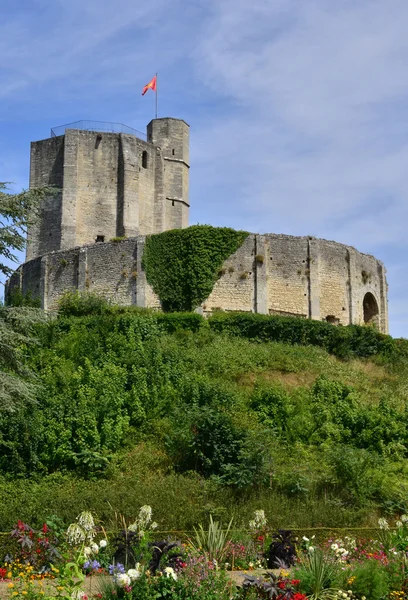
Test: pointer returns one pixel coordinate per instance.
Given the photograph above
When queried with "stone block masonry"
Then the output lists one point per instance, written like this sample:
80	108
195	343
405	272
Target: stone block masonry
110	185
269	274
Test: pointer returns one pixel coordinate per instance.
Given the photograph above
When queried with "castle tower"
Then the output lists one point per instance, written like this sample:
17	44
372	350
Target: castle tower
109	184
172	137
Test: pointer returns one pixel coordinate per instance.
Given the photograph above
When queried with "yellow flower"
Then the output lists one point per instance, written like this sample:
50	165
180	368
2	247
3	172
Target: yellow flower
60	588
24	593
9	575
14	594
10	585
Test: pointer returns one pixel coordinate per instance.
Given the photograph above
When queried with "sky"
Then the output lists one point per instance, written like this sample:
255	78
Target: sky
298	108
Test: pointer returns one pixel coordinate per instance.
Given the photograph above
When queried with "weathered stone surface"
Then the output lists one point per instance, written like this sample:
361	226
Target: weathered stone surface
270	274
110	185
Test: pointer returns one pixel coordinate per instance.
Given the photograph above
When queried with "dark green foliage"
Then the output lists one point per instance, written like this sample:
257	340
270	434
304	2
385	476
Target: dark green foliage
79	304
344	342
17	334
182	265
206	440
16	298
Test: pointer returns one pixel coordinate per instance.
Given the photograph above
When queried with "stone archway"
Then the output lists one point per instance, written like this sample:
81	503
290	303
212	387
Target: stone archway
370	310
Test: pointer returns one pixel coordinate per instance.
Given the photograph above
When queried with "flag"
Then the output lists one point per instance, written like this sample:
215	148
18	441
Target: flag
150	86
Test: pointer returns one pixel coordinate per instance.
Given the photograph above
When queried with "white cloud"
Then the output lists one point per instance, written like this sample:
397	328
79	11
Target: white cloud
319	90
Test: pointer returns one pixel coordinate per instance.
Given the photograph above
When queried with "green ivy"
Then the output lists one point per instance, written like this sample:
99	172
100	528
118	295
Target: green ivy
182	265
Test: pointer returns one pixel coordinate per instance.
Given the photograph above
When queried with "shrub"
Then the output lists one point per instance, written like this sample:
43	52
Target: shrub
82	303
344	342
16	298
371	580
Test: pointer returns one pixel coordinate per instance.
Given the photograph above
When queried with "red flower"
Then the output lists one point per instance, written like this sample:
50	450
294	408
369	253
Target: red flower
3	573
260	538
295	581
45	528
281	585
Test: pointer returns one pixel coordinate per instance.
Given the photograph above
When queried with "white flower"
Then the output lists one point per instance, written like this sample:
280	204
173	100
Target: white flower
133	527
85	520
404	518
311	548
133	574
154	525
78	594
87	551
399	524
170	573
75	534
145	514
103	544
383	523
306	539
94	548
334	547
122	579
259	521
251	564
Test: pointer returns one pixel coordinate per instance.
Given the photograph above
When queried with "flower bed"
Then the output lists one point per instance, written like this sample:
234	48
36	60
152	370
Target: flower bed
133	563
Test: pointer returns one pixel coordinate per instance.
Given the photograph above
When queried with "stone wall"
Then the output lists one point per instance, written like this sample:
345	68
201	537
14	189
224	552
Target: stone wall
269	274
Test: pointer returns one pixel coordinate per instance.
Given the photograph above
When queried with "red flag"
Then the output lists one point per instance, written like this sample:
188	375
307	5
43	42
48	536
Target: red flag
150	86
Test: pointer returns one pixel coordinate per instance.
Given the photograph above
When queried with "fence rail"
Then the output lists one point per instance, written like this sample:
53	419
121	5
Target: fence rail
102	126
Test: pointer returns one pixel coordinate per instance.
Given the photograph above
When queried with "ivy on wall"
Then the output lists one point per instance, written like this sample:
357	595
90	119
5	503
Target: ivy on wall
182	265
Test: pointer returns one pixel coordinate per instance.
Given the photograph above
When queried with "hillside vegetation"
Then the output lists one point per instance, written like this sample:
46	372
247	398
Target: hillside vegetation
303	419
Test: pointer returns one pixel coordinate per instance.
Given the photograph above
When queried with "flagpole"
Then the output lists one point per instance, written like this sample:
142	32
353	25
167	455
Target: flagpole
157	94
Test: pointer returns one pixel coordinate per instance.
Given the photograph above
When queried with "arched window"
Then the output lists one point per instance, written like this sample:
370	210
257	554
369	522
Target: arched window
144	159
370	310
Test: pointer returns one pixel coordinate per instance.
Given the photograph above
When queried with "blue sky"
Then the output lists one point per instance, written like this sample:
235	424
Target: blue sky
298	108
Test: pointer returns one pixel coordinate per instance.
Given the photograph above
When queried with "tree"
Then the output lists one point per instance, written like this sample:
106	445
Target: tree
17	211
17	325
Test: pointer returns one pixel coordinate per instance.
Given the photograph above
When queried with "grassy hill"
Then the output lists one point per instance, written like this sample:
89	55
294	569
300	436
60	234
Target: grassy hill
303	419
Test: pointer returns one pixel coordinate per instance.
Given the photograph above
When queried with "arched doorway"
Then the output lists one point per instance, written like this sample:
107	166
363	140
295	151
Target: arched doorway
370	310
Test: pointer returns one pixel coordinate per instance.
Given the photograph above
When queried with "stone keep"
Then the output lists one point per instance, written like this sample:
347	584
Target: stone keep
110	185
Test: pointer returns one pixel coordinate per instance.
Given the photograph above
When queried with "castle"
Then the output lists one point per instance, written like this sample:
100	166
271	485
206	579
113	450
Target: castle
114	188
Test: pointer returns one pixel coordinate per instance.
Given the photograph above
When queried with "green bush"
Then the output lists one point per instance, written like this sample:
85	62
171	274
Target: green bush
344	342
79	304
16	298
